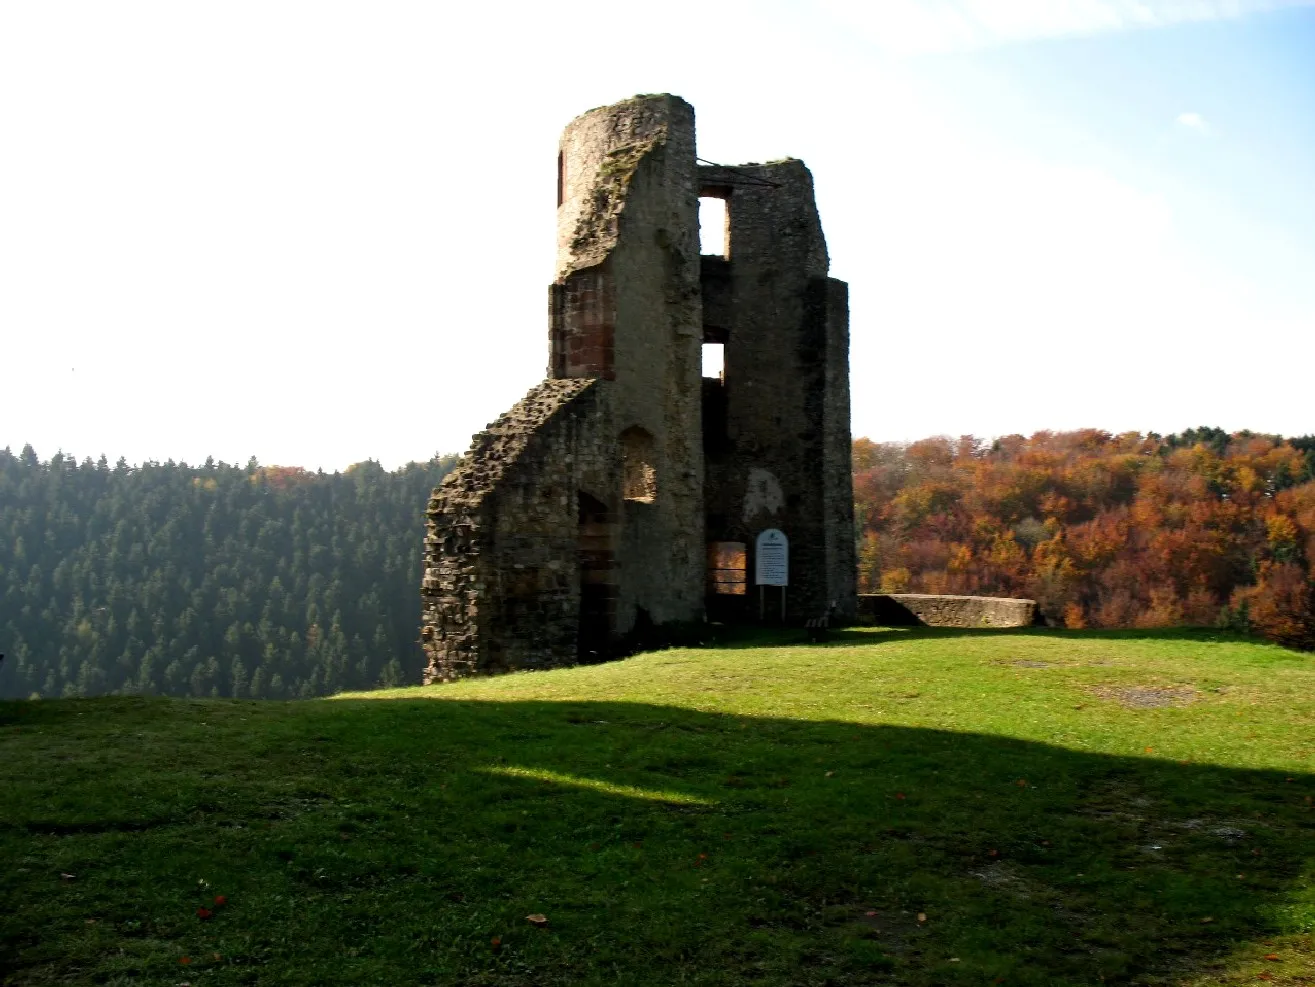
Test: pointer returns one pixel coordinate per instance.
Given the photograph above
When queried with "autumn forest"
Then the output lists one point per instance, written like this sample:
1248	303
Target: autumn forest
1202	528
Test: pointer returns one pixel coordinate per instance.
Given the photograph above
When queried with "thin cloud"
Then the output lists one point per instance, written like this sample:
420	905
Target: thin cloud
931	26
1194	121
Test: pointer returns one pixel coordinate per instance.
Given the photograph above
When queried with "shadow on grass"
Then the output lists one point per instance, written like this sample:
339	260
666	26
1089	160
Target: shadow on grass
394	841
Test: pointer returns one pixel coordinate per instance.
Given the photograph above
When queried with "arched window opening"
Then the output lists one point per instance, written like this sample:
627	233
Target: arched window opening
638	474
714	227
727	568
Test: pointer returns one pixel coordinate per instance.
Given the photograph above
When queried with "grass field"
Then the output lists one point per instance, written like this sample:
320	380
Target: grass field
897	807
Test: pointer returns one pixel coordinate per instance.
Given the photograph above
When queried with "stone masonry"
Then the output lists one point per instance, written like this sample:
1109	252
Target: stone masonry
626	490
897	609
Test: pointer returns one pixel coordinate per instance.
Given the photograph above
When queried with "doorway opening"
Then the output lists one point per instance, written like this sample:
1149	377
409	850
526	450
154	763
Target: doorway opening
598	589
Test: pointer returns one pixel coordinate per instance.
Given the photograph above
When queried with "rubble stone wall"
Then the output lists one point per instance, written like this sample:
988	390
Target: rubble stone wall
502	585
589	507
629	218
785	387
945	611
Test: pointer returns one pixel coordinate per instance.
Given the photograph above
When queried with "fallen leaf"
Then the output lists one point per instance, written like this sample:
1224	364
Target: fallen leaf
204	913
537	919
922	916
220	901
1207	920
1149	749
1272	957
993	853
830	774
184	960
217	957
899	795
1021	783
496	942
870	914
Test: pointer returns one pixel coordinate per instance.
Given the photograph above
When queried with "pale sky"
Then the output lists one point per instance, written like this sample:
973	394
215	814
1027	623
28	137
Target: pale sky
322	232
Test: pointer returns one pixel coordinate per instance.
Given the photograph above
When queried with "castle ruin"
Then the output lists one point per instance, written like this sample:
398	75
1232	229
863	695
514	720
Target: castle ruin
627	490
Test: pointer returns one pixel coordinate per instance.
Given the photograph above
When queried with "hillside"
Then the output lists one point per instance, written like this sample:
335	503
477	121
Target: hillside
260	582
902	806
271	582
1202	528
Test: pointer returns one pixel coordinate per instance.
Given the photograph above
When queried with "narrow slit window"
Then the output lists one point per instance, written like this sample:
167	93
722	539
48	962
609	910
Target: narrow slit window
714	360
561	177
727	568
714	227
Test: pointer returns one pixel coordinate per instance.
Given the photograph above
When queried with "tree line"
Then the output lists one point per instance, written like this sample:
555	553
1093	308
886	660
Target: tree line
1131	530
212	580
275	582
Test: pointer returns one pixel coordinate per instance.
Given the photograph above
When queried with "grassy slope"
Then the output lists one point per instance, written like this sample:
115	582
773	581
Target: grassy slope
775	814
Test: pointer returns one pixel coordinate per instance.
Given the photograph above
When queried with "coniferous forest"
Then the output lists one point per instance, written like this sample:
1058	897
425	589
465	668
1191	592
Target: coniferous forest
213	580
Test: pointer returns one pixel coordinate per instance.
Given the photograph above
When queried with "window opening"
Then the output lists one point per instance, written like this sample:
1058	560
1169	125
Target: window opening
727	568
638	475
714	227
714	360
561	178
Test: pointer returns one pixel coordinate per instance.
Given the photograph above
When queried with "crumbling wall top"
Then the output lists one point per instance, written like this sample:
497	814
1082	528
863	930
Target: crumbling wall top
598	155
496	449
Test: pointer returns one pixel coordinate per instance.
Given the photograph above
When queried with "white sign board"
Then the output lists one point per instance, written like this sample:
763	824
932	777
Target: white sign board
772	558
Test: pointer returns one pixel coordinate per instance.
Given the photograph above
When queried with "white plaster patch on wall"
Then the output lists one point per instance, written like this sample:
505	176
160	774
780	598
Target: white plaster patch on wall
762	494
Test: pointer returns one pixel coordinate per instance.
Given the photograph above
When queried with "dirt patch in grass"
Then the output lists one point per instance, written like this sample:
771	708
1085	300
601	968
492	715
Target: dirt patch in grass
1146	696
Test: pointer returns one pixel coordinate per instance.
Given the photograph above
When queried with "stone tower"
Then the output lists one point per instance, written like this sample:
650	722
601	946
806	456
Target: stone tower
627	488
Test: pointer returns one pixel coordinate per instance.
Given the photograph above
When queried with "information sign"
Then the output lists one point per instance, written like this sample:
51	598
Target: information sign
772	558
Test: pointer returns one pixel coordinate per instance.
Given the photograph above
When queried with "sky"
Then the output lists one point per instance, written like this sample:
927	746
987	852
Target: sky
319	233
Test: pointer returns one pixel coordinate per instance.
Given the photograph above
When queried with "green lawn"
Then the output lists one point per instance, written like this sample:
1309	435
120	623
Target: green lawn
897	807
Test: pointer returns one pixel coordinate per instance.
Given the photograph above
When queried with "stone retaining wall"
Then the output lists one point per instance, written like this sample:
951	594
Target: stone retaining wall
902	609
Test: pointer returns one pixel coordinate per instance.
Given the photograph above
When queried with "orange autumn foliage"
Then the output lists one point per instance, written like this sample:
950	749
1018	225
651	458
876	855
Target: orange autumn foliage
1102	530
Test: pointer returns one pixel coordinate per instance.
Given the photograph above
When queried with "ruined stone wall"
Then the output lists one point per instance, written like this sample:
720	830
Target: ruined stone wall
782	458
628	252
585	509
502	585
898	609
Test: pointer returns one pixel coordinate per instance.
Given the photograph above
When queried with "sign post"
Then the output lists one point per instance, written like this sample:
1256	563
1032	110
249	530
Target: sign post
771	565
